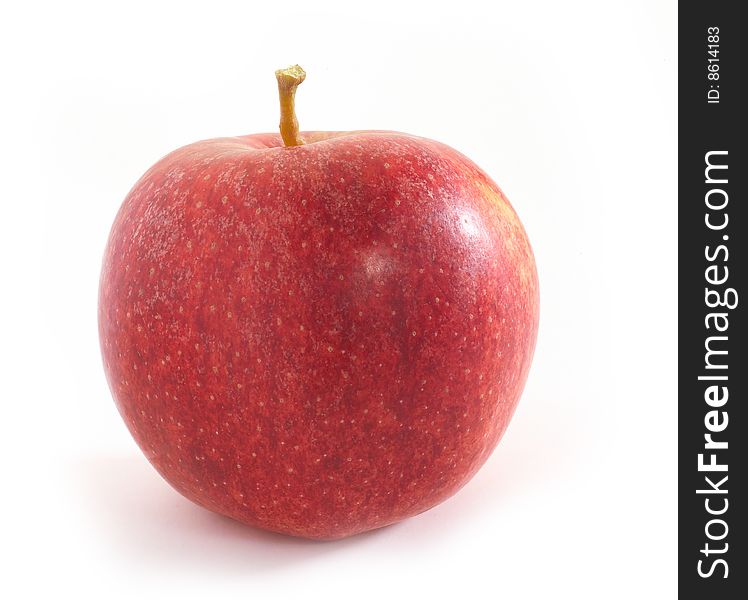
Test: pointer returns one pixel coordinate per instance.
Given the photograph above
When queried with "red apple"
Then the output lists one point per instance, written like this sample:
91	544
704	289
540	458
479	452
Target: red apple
322	337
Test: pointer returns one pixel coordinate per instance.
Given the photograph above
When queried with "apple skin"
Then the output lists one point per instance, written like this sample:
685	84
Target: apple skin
317	340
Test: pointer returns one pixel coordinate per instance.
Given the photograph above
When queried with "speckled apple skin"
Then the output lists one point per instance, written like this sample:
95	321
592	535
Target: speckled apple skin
317	340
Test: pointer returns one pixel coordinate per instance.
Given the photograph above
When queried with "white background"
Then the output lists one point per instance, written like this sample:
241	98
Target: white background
570	106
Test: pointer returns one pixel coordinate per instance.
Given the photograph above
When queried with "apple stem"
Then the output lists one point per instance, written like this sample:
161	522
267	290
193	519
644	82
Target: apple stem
288	80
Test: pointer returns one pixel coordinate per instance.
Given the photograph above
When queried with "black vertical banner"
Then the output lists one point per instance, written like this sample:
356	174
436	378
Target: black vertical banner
712	265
